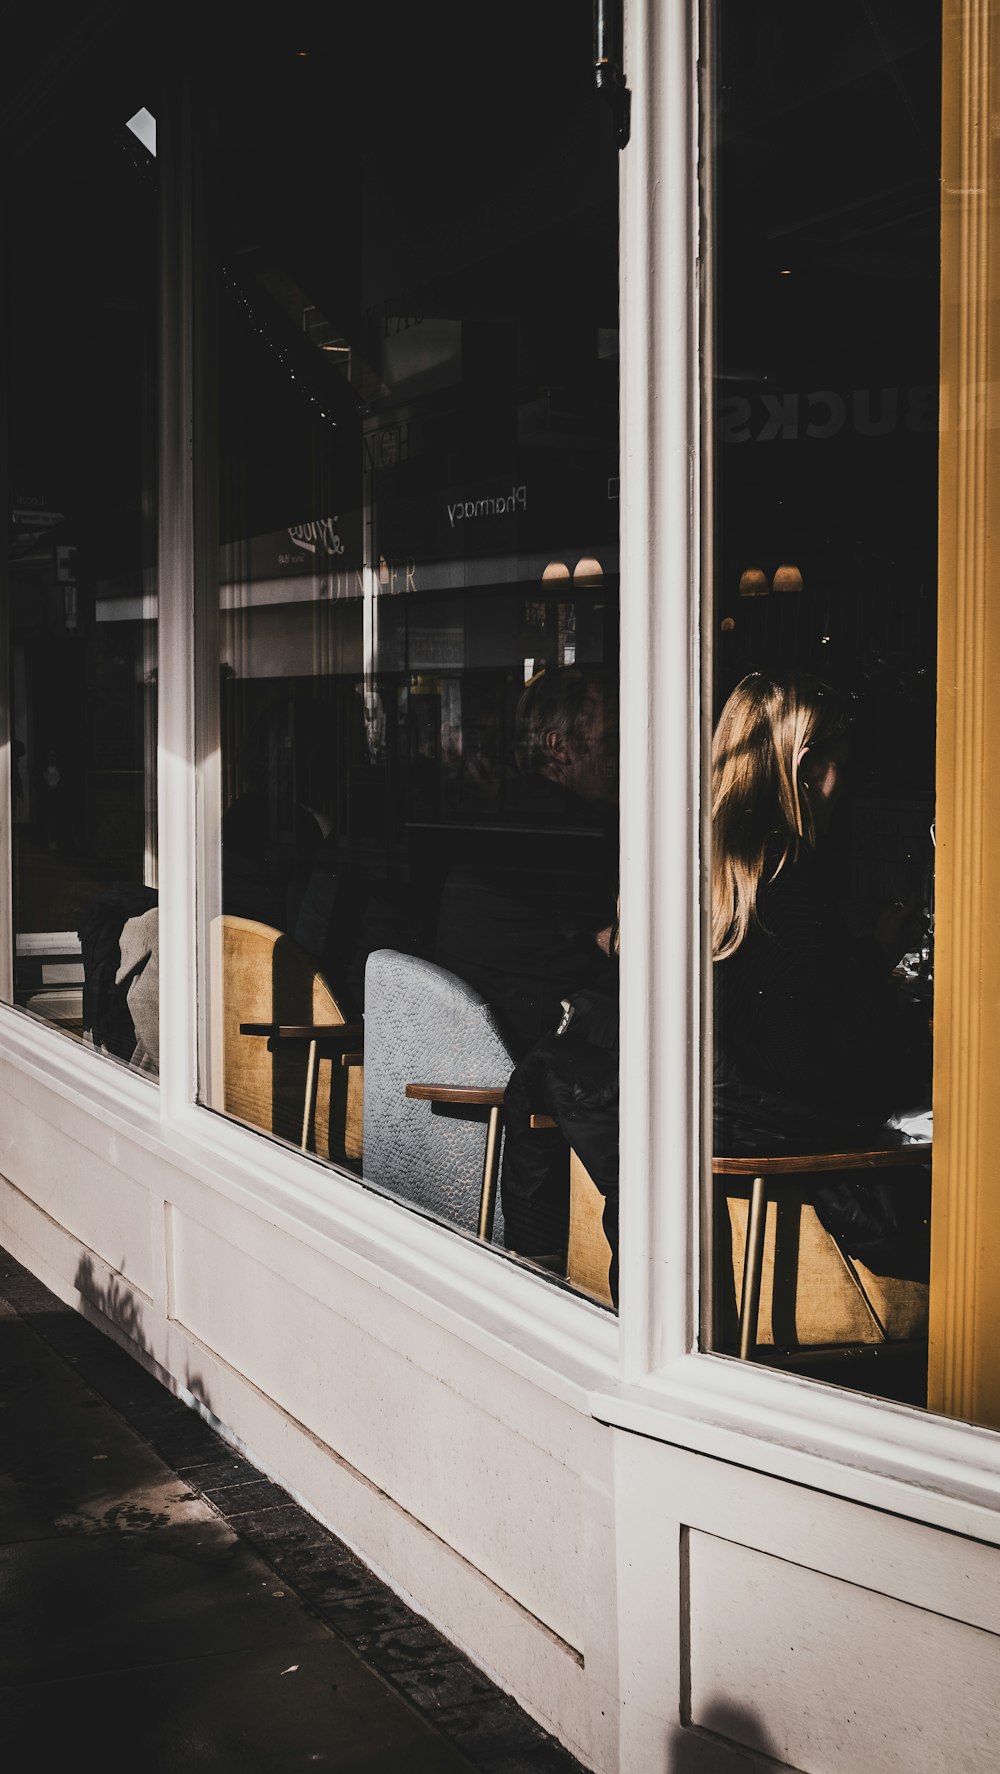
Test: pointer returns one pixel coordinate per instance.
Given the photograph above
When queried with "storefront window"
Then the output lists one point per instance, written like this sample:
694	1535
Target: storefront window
412	880
80	225
823	336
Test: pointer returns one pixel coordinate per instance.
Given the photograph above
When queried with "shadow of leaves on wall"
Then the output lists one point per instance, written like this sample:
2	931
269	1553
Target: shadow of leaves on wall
197	1387
115	1302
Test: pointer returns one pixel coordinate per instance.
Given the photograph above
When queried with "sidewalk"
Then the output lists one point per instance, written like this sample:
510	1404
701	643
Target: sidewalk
162	1602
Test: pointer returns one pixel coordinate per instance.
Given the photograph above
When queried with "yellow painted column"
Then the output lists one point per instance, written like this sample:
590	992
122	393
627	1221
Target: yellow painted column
964	1375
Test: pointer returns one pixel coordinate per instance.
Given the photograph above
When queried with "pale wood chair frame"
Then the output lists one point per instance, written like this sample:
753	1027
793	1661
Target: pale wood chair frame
767	1174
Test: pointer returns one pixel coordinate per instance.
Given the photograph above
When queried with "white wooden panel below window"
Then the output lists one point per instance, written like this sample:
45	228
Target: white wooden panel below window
831	1677
444	1459
105	1211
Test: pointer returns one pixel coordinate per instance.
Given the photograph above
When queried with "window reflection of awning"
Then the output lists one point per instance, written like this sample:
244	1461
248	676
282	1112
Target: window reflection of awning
302	589
126	607
405	577
243	596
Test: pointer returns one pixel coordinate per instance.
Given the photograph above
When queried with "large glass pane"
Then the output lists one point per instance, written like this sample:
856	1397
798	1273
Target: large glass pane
824	150
80	298
416	883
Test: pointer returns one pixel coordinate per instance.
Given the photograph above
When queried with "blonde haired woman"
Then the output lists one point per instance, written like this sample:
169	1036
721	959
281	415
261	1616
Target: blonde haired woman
815	1047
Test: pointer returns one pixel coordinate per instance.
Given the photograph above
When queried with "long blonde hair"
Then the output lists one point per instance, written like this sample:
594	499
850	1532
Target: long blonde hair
768	724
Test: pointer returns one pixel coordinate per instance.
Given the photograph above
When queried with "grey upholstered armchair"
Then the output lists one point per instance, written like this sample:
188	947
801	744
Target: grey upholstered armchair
436	1066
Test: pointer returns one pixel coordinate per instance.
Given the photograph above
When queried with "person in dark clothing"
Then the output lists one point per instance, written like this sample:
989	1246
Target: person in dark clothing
816	1047
530	938
526	940
572	1076
530	935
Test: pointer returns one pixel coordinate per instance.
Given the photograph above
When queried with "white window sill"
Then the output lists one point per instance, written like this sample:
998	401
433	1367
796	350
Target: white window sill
559	1341
881	1454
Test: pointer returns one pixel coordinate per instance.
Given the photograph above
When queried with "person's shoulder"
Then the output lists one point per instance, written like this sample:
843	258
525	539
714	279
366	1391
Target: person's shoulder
794	877
536	798
794	908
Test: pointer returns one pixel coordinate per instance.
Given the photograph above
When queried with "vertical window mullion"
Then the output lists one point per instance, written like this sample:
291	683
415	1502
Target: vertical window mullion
178	467
659	1077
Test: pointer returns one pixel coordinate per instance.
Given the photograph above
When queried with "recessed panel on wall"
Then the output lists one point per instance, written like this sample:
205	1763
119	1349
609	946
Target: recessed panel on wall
829	1676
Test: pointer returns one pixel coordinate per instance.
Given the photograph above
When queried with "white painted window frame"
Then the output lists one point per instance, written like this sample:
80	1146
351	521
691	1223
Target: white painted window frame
642	1374
935	1470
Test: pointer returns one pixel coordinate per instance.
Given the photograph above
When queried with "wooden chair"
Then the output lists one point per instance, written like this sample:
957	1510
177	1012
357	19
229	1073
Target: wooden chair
588	1258
817	1300
829	1304
278	1035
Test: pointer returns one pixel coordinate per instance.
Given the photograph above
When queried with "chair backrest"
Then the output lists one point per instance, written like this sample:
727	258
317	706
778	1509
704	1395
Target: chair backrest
588	1257
424	1025
261	975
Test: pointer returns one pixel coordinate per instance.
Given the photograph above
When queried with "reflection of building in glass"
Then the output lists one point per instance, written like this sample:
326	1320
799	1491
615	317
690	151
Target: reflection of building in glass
323	490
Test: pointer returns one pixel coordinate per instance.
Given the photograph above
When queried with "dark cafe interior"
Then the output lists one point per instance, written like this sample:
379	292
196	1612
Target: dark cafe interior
415	503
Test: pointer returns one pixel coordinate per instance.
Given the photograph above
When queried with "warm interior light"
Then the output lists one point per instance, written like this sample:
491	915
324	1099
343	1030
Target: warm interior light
588	572
753	582
555	570
787	579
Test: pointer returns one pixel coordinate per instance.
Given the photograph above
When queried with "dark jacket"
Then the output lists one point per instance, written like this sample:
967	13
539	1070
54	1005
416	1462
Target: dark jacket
526	942
523	933
574	1078
815	1047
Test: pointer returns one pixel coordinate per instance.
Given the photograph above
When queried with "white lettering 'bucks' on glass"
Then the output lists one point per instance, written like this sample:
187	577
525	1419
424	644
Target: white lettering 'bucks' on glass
822	412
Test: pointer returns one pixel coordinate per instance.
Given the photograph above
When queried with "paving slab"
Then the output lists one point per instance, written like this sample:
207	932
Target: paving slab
128	1604
161	1598
233	1714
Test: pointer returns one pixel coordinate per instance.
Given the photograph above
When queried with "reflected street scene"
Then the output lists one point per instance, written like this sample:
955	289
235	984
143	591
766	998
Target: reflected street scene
414	950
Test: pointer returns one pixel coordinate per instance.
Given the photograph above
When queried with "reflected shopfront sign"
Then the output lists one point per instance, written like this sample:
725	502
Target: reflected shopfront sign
531	506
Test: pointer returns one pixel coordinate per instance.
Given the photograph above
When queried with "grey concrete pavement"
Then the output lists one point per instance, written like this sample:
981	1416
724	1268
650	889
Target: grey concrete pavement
163	1604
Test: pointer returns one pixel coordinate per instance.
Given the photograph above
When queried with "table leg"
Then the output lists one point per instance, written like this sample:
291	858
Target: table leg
491	1171
753	1264
312	1071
